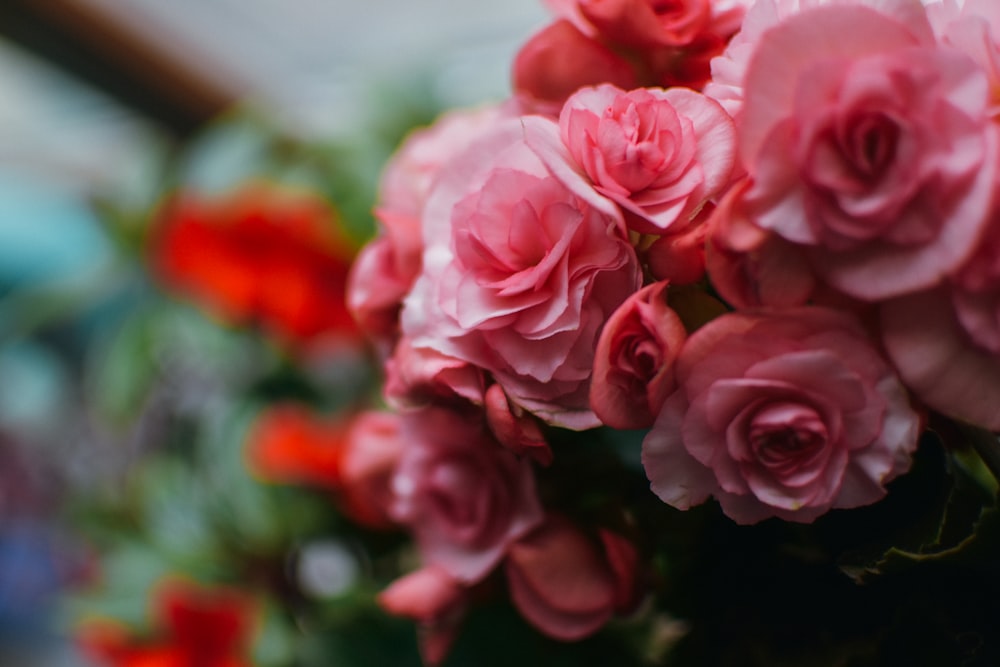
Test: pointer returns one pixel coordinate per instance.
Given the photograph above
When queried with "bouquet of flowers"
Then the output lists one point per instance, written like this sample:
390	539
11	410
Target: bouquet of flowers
767	234
690	345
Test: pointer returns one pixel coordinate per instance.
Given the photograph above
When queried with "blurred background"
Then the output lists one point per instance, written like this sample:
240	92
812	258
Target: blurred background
107	106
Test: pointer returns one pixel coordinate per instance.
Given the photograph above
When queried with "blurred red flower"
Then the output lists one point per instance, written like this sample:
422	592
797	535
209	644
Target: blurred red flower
353	457
194	626
260	254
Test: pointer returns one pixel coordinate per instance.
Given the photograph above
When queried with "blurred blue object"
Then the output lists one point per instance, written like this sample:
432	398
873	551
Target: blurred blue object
45	233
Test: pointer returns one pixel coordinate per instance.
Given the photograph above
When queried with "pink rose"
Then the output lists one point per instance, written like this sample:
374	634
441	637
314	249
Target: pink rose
514	428
380	277
644	23
972	27
660	154
680	257
372	450
385	269
786	414
633	367
568	585
750	267
557	61
418	377
729	69
873	152
465	498
946	343
523	264
436	601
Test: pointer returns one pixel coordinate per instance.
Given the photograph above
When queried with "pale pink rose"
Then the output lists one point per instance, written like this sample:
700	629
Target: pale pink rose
870	151
974	28
464	497
418	377
514	428
787	414
435	600
939	361
557	61
523	264
565	583
385	269
633	367
410	172
729	69
659	154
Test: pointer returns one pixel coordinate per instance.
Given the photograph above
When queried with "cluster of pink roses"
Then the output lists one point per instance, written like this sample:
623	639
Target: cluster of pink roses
556	261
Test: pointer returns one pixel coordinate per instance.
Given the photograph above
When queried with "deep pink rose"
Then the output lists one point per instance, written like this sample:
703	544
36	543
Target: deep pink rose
680	257
786	414
633	367
372	450
464	497
660	154
644	23
750	267
385	269
435	600
523	264
565	583
870	150
418	377
557	61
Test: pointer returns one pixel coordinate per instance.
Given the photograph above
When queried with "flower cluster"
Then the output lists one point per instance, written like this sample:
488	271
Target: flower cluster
832	180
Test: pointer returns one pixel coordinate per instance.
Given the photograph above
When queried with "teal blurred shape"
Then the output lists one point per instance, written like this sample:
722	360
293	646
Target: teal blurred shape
46	232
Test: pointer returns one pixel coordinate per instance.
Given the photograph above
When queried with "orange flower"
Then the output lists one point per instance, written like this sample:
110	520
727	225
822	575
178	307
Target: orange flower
195	626
260	254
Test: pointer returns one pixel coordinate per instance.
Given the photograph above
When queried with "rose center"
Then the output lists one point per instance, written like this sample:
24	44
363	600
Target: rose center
784	432
870	144
667	7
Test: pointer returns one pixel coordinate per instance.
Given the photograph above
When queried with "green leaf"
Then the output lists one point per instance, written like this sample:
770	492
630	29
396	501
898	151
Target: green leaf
936	512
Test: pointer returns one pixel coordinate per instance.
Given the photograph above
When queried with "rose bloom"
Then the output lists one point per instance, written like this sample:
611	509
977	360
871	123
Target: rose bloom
260	254
788	414
633	367
557	61
751	267
659	154
435	600
729	69
872	151
972	26
464	497
196	626
523	264
643	23
946	342
672	43
419	377
386	268
567	584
